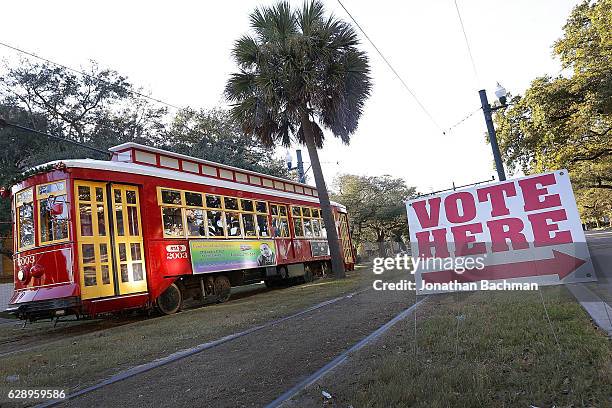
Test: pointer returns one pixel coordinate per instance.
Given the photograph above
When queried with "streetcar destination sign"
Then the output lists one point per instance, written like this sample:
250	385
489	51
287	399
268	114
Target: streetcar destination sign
525	230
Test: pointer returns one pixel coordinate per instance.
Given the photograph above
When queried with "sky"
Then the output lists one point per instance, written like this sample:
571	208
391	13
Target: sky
179	51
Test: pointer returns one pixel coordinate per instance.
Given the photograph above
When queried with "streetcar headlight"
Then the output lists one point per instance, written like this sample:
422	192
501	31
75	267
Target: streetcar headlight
20	275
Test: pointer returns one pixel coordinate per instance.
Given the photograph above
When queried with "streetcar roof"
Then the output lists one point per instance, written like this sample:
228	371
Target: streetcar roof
137	146
168	174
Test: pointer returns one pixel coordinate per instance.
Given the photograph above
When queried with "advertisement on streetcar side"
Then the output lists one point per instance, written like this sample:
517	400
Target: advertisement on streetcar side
215	256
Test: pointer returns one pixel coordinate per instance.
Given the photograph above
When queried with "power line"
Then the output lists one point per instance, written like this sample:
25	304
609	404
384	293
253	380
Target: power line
469	115
4	123
31	54
392	69
467	43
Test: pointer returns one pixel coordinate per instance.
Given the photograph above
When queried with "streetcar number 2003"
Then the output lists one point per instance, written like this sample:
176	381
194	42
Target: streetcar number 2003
25	260
176	255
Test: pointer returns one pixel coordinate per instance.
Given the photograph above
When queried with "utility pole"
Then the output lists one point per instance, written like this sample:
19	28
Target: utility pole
487	111
299	167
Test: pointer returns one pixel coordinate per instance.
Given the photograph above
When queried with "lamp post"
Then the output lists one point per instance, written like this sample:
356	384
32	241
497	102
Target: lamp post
487	110
299	167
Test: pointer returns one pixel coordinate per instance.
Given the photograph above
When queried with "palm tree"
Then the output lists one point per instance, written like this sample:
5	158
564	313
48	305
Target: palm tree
300	71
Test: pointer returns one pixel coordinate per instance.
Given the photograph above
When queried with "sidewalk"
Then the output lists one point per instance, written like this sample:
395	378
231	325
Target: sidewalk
6	290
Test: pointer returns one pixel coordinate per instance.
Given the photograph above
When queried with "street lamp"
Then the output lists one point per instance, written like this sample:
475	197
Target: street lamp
299	167
487	110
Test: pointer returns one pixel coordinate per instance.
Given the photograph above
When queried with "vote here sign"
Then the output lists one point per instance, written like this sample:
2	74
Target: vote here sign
525	230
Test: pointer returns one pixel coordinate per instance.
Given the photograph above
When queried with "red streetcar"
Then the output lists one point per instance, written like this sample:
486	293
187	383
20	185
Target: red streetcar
151	228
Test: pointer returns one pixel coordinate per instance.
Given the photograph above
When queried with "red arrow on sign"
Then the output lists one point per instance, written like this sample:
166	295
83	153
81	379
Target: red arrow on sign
560	264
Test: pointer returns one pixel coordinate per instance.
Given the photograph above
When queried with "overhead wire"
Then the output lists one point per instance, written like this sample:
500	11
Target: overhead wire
469	115
136	93
467	43
397	75
31	54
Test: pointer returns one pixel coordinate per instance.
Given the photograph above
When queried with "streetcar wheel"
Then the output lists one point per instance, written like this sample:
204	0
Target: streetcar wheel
308	275
326	268
283	272
222	288
170	301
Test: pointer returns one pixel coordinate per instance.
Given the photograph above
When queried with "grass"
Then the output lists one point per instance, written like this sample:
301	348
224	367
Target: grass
74	362
505	355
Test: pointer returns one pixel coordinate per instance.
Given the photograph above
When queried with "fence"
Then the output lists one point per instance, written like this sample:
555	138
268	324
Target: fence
369	250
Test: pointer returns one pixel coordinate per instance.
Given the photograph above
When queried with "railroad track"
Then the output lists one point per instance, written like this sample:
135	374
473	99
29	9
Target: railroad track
174	357
32	341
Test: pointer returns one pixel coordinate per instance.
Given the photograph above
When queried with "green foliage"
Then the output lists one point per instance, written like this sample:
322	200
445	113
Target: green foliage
102	111
375	205
298	66
566	122
213	135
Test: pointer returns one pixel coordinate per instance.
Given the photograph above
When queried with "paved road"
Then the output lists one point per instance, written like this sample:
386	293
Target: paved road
6	290
600	247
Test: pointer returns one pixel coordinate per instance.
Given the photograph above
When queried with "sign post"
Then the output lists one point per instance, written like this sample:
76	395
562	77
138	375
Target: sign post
524	231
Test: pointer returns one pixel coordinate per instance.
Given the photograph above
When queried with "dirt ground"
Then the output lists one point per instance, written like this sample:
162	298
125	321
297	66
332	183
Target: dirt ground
255	369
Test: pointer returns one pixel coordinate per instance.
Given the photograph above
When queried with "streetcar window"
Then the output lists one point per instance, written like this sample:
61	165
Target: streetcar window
99	194
171	197
193	199
233	224
135	251
137	271
84	193
130	196
196	224
284	227
248	222
297	227
52	188
101	220
261	207
213	201
132	214
53	218
119	220
308	224
316	227
172	220
86	219
215	223
280	222
24	201
246	205
262	226
307	227
89	275
231	203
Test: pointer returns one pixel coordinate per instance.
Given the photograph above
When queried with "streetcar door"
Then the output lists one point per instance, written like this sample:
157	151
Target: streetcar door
280	231
93	240
347	251
127	237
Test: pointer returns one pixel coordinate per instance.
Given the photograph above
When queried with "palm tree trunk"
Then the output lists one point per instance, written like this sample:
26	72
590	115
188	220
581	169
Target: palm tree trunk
328	217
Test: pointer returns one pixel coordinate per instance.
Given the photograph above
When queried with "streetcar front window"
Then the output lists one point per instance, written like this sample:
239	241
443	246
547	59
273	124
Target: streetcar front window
52	212
24	202
173	221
